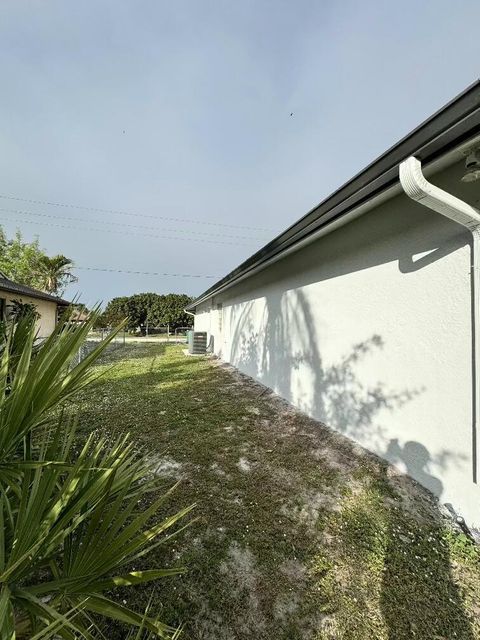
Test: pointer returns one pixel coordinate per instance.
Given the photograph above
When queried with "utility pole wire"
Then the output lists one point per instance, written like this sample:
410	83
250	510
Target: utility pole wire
128	213
123	224
125	233
146	273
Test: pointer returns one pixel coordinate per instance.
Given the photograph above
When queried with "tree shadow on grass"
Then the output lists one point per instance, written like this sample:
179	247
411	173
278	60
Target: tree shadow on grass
395	550
417	598
420	598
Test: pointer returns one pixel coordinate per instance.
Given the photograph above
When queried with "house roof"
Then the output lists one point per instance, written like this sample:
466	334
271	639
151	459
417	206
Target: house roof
20	289
454	124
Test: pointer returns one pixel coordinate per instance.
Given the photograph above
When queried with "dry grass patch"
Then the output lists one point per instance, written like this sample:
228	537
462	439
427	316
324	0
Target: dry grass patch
300	534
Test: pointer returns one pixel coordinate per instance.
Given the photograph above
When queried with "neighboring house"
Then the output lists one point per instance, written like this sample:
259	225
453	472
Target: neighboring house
365	313
47	306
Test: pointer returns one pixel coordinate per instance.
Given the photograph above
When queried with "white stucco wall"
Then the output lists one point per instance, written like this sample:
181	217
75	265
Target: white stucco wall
369	330
47	310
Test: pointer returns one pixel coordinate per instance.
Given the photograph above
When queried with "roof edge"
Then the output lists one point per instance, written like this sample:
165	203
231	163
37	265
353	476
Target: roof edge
23	290
446	129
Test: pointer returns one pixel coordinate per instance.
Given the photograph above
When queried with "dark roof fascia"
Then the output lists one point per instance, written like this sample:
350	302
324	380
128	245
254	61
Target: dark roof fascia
22	290
454	124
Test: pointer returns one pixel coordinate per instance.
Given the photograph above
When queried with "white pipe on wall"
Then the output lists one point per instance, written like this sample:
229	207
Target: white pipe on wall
419	189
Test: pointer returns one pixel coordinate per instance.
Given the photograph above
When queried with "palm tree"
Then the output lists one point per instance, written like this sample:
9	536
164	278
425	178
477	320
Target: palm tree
55	273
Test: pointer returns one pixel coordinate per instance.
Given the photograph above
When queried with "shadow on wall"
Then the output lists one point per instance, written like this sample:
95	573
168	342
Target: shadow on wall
282	352
273	351
281	348
286	346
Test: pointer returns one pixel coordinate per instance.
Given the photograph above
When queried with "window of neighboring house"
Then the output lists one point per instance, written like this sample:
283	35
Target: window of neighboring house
3	305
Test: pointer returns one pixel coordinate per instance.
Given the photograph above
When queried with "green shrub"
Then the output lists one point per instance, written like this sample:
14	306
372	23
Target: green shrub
70	522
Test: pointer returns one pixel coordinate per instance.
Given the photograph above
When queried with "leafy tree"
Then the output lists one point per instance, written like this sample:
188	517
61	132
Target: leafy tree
171	310
55	273
26	263
156	309
116	311
19	259
135	308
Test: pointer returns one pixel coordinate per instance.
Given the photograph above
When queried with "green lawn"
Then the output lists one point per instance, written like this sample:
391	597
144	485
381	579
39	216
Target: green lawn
299	534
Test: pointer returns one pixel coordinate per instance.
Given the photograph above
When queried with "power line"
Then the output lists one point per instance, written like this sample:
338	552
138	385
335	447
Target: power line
123	224
146	273
125	233
128	213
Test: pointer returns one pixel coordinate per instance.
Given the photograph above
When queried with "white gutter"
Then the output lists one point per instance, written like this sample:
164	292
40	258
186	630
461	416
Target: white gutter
419	189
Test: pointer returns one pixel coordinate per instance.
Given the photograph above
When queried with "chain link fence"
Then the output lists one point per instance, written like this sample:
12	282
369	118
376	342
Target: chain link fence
123	338
93	339
145	334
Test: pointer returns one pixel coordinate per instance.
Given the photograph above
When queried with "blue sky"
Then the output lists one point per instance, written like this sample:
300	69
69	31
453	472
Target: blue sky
182	110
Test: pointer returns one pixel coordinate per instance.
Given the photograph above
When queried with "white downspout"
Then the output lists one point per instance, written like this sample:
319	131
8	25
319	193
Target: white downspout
419	189
190	314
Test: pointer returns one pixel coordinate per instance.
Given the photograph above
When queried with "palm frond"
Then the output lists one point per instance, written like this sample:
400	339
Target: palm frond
69	521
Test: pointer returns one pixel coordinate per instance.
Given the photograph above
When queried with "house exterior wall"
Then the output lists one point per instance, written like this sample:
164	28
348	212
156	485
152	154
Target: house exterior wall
369	330
47	310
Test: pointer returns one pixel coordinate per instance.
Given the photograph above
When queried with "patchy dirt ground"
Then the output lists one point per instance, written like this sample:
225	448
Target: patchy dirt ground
300	534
